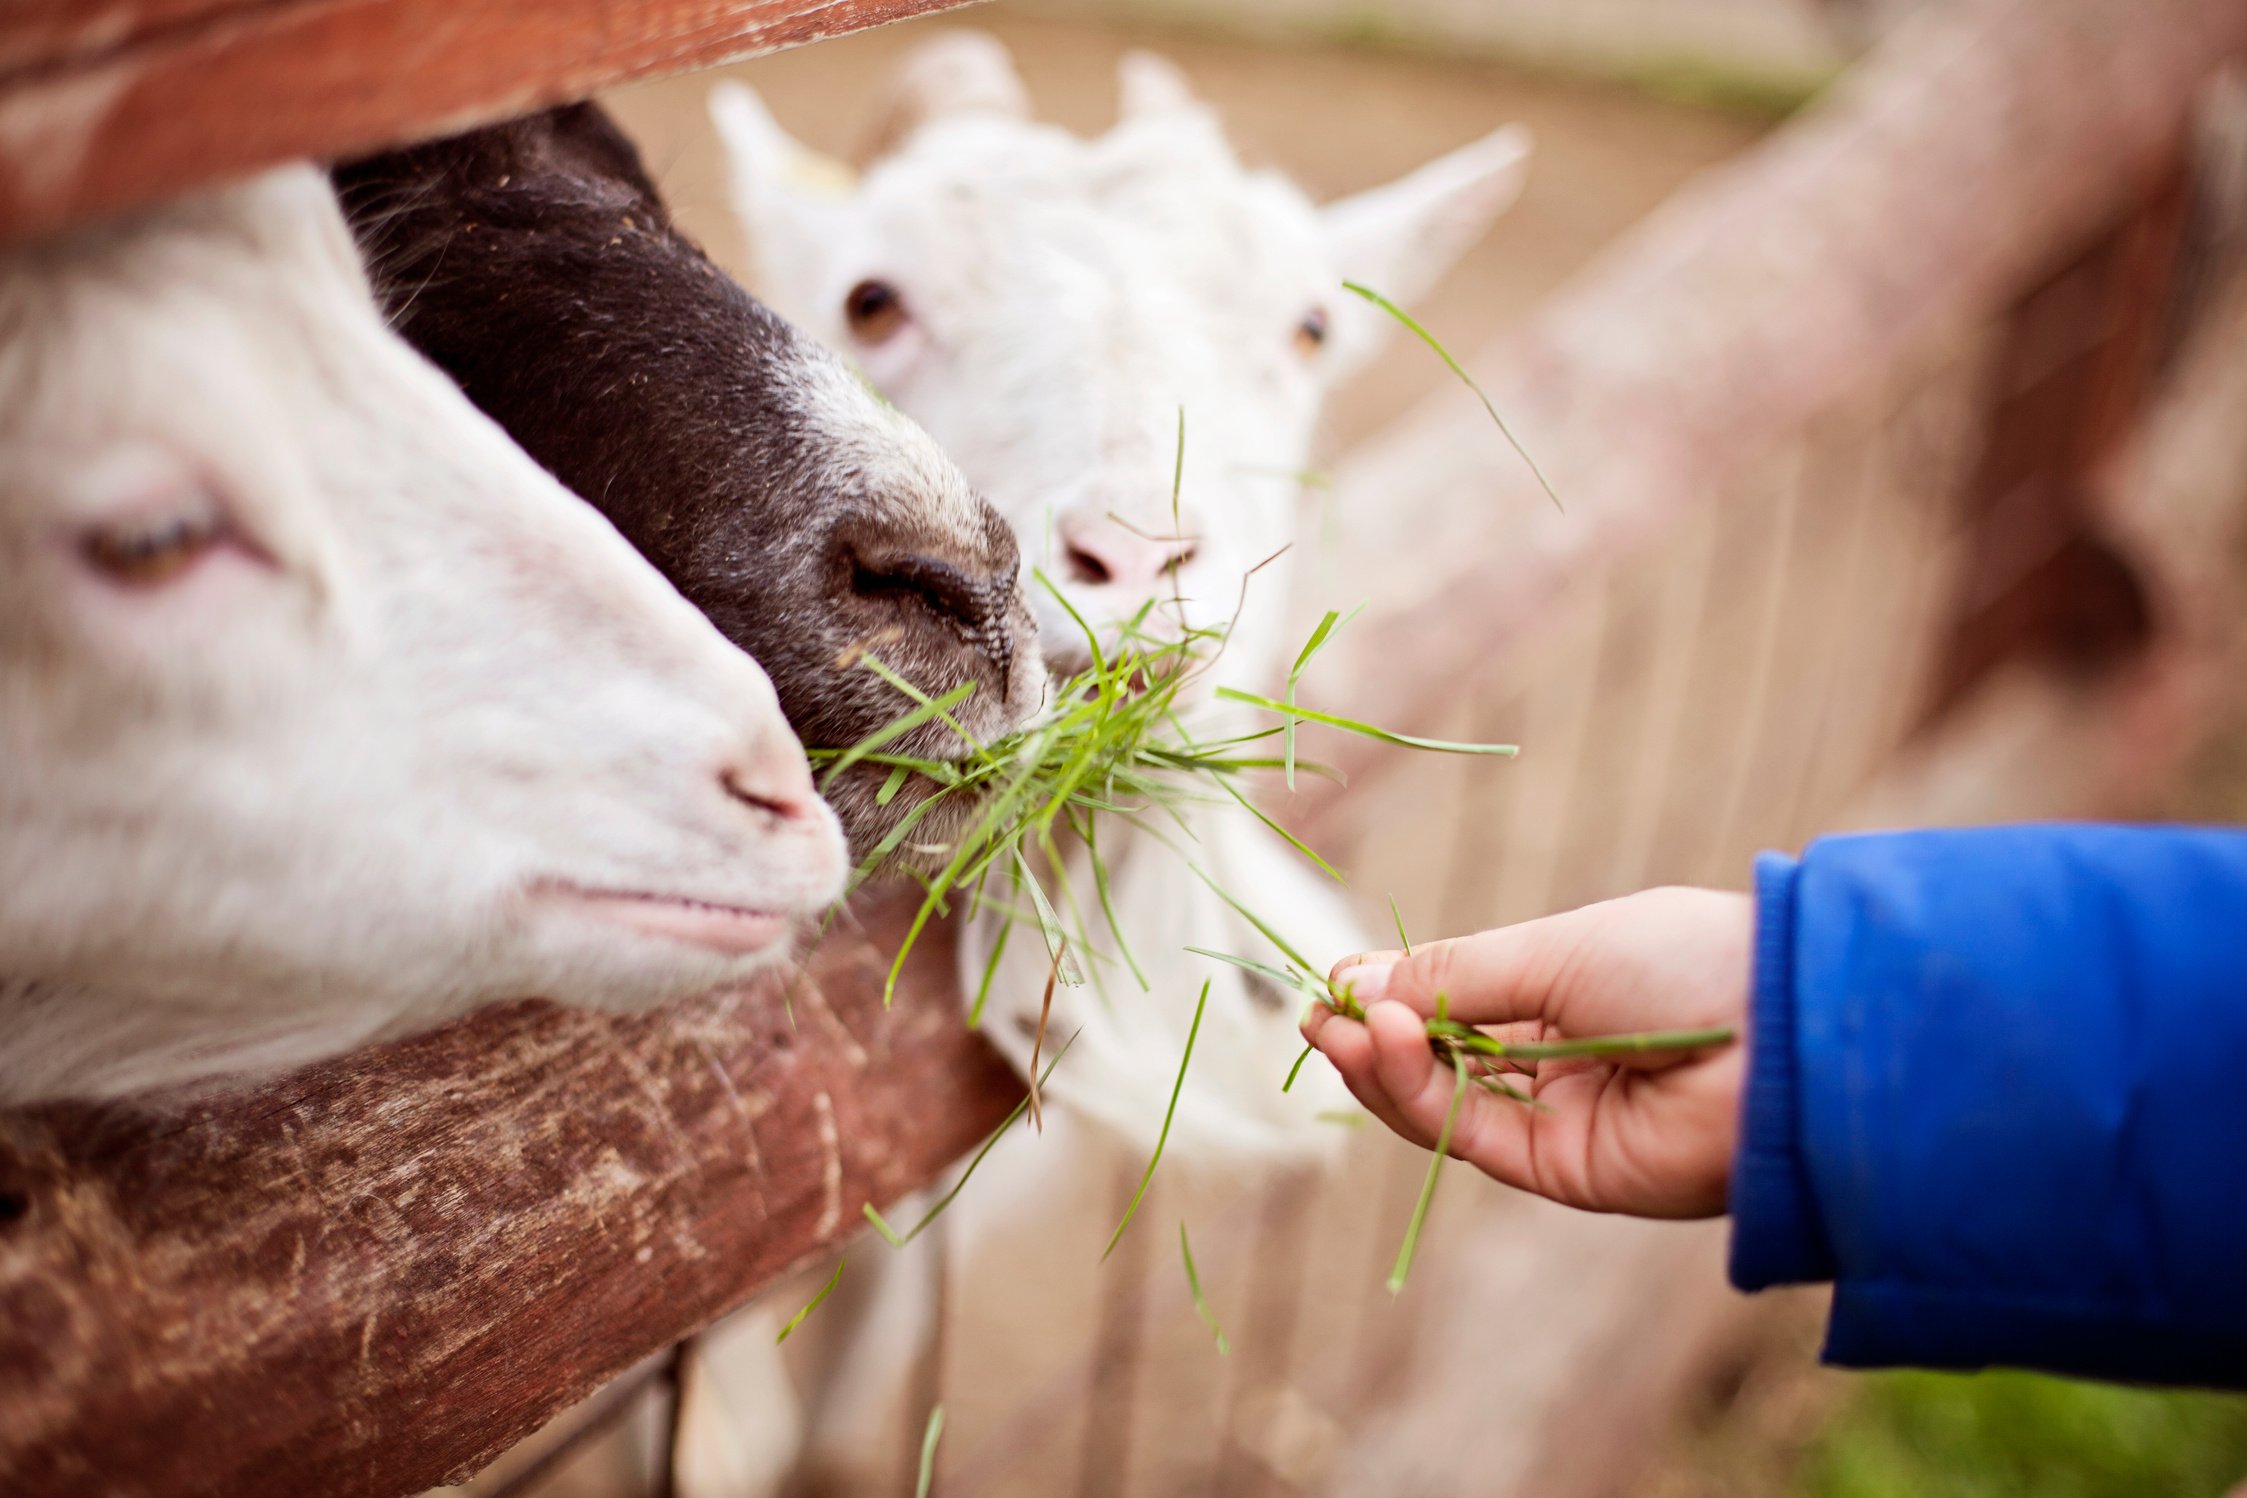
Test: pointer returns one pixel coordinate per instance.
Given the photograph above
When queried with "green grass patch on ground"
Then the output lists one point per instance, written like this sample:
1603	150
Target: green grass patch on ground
2019	1435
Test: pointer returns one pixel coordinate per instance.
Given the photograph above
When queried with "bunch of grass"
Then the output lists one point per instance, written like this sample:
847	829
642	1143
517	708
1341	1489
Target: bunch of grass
1475	1059
1118	743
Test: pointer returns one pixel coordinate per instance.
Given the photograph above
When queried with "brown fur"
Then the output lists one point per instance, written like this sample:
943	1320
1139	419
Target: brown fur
535	263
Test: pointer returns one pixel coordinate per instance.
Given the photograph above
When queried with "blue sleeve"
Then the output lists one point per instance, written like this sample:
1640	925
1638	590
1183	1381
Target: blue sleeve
1998	1095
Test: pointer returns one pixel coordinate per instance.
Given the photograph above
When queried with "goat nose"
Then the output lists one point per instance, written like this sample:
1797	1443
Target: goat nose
774	779
975	601
1110	553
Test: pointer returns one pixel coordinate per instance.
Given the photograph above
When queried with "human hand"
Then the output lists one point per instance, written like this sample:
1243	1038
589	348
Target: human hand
1650	1134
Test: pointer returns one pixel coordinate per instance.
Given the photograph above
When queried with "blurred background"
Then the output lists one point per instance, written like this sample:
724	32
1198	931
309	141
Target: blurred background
1893	382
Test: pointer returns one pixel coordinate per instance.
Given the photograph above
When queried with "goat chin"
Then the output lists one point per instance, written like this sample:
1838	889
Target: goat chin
1125	1045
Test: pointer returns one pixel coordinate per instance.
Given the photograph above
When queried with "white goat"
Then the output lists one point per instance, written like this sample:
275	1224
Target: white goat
325	715
1046	307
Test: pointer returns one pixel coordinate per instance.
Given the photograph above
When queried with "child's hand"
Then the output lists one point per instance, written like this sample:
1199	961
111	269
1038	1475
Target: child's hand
1651	1134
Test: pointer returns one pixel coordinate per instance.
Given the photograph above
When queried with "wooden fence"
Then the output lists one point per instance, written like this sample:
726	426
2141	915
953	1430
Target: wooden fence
1903	482
1901	464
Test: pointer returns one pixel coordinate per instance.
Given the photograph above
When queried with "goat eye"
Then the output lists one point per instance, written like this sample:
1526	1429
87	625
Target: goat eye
1310	333
147	554
875	311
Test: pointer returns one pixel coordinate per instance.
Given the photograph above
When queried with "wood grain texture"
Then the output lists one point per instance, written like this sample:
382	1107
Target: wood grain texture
110	104
376	1275
1943	178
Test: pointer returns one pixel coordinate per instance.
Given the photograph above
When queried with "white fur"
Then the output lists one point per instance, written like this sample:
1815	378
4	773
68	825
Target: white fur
383	754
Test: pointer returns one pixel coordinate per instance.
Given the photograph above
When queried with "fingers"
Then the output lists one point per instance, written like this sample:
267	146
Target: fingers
1492	1134
1488	978
1406	1069
1347	1045
1659	959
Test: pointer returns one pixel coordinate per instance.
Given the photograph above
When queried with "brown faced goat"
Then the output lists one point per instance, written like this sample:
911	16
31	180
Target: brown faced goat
534	262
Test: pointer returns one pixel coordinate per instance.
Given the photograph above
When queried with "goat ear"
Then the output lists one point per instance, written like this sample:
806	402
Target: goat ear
1399	239
1149	86
765	158
785	194
953	73
293	211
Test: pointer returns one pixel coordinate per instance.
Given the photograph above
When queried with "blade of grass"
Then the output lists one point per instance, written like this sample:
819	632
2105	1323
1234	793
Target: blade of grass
990	1140
1091	635
937	705
929	1438
1589	1045
1163	1137
1201	1302
990	971
1428	338
1311	647
1287	977
1049	922
1398	916
1037	1043
1411	1245
1262	926
1107	904
934	707
813	1304
1290	838
1368	730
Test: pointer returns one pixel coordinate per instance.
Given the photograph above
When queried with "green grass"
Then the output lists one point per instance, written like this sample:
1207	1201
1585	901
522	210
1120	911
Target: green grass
813	1304
1442	1152
929	1437
2019	1435
1163	1138
1194	1287
1117	744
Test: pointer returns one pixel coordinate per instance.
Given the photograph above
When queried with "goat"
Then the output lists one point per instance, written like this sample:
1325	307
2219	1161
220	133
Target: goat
326	716
535	263
1048	307
1054	310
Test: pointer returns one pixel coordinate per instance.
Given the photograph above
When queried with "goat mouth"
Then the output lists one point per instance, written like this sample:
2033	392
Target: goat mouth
735	930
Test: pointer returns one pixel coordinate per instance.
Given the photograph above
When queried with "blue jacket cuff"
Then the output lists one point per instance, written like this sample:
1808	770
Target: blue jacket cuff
1777	1238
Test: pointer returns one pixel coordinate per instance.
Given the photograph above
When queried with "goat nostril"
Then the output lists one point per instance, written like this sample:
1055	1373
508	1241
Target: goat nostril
784	805
1179	558
1088	569
975	606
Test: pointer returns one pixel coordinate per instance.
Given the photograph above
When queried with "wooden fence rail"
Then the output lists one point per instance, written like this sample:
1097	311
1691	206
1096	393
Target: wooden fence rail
376	1275
1943	177
106	105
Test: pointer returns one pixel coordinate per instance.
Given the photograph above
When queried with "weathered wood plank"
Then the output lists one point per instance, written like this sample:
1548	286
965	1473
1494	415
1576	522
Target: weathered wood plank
101	108
378	1274
1945	175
